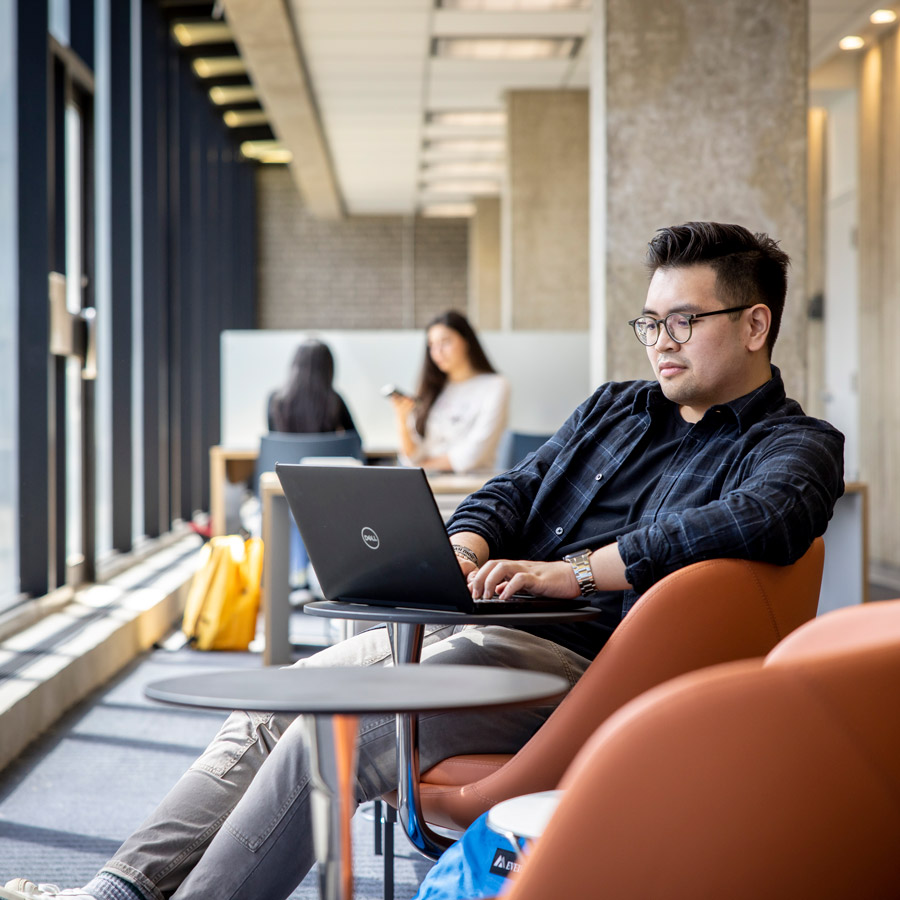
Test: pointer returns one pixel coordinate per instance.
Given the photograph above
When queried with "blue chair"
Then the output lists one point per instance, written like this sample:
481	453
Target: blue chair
284	447
516	445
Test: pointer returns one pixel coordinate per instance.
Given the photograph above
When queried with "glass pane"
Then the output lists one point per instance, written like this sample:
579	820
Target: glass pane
58	20
74	469
9	357
74	487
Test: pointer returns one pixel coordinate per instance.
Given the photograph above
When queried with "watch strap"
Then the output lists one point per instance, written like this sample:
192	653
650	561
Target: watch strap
581	565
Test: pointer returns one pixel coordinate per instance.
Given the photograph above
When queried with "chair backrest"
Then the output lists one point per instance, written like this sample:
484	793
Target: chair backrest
753	779
284	447
706	613
516	445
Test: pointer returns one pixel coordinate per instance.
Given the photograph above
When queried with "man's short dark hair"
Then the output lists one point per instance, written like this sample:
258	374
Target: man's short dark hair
750	268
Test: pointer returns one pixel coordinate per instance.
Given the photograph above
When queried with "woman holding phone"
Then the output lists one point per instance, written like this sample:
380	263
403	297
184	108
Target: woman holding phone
455	422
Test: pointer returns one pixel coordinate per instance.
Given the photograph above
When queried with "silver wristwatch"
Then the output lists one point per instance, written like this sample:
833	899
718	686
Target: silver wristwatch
581	563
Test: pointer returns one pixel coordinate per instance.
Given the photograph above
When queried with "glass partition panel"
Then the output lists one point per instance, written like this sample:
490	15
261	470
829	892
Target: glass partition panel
9	575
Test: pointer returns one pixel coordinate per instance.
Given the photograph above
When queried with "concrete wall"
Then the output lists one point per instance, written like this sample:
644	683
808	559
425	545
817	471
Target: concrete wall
362	272
706	106
546	210
484	264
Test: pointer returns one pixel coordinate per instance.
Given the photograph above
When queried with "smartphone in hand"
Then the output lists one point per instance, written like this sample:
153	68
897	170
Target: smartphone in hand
391	390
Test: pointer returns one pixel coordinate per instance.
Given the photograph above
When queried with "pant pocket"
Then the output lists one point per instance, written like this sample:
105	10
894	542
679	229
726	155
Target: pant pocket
242	732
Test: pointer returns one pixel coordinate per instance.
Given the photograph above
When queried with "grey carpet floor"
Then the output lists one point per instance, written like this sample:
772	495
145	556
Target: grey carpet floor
68	802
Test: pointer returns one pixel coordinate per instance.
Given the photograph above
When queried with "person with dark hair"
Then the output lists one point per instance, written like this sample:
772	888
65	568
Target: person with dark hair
308	404
457	418
750	268
709	459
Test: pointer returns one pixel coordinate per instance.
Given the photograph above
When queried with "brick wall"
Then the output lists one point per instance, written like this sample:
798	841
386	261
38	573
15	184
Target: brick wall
361	272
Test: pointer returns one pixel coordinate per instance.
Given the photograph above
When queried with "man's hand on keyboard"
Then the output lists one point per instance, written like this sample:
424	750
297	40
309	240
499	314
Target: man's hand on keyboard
505	577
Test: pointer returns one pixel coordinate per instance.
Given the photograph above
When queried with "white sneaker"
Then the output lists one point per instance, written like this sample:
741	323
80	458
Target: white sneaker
23	889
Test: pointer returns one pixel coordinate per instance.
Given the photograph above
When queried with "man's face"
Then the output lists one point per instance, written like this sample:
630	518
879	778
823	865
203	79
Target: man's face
716	365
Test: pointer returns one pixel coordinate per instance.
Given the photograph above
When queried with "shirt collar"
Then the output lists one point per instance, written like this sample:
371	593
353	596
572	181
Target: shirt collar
746	411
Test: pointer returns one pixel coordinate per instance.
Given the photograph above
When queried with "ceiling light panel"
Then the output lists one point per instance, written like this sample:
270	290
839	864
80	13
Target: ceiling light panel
245	118
218	66
448	210
482	187
463	169
461	123
229	94
561	24
512	5
198	32
266	151
473	148
480	119
505	49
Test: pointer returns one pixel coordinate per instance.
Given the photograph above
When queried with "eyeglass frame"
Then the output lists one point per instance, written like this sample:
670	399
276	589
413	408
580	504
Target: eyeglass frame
690	319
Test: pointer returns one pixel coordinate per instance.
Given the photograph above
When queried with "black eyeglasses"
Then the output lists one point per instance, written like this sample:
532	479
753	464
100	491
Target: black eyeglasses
678	325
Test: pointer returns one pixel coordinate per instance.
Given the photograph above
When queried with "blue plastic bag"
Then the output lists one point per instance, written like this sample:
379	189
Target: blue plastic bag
477	865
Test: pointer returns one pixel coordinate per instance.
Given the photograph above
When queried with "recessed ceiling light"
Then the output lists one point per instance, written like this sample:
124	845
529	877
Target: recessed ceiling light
192	32
218	66
459	186
883	17
513	5
266	151
510	48
227	94
468	119
851	42
448	210
243	118
463	169
472	147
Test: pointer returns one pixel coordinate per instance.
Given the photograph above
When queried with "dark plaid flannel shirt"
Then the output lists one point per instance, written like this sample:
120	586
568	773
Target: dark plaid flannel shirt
754	479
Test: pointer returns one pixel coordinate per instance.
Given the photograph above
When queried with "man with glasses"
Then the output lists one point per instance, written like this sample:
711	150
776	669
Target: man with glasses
708	460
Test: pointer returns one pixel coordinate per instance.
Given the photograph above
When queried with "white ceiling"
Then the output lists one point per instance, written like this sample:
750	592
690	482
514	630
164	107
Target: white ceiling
373	80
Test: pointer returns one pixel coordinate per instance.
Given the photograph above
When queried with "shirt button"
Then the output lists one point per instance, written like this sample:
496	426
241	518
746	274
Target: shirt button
559	530
598	476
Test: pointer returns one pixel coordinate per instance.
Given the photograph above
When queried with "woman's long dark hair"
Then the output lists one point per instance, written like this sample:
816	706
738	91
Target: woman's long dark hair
432	380
308	404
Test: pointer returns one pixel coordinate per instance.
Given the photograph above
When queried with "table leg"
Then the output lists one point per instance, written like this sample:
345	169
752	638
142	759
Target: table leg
406	647
331	742
217	490
276	527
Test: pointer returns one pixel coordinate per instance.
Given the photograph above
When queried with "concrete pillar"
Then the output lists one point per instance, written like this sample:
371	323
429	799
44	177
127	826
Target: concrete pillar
879	269
545	221
484	264
698	112
817	186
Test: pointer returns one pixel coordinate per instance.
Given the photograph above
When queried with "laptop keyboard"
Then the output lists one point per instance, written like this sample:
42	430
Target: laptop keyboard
526	603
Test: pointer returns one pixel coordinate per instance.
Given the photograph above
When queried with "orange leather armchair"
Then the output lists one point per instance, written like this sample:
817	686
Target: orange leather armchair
775	778
707	613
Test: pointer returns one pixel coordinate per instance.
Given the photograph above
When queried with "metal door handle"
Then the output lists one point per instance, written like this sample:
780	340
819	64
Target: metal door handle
89	365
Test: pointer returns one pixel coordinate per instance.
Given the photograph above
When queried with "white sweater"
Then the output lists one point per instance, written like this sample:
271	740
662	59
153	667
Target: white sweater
466	422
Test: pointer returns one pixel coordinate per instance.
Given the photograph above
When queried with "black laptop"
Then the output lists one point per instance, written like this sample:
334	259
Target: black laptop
374	536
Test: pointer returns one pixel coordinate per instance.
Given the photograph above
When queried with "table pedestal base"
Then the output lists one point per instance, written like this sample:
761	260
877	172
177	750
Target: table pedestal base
406	648
331	742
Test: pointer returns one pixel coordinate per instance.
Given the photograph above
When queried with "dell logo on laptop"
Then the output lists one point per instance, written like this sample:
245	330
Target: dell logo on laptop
370	539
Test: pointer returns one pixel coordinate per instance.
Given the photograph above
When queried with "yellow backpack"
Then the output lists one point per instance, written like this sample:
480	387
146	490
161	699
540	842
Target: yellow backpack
223	602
